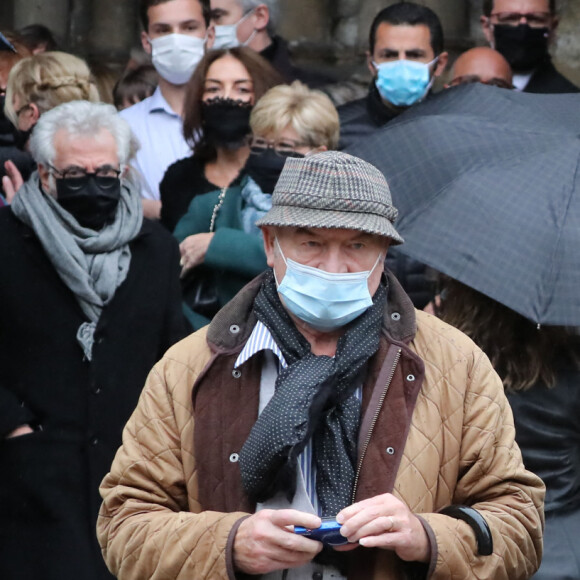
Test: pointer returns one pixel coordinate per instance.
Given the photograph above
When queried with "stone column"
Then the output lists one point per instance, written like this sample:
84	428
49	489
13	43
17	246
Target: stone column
114	30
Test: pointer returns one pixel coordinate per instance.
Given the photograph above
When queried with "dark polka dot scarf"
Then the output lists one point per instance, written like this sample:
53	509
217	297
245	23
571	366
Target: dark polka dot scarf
314	397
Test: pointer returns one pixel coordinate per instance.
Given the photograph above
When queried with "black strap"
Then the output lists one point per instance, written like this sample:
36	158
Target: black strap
477	523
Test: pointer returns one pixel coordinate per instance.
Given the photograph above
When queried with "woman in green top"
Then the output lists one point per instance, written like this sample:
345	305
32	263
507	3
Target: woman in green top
218	232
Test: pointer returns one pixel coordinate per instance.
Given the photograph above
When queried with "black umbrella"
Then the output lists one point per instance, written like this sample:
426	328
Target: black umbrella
487	183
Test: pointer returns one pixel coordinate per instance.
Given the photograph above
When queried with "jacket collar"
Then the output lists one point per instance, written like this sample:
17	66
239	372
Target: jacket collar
233	324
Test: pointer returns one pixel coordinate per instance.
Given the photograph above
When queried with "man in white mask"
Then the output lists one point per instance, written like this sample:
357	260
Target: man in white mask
176	35
252	23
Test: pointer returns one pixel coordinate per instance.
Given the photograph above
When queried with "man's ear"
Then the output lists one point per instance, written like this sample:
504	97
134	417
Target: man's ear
487	29
553	28
210	38
269	239
34	113
145	43
370	64
44	176
441	64
261	17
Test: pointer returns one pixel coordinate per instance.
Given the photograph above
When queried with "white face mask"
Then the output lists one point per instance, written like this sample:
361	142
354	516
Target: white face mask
226	36
175	56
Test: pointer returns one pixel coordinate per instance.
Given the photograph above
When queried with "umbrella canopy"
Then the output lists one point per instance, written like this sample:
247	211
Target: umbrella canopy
487	183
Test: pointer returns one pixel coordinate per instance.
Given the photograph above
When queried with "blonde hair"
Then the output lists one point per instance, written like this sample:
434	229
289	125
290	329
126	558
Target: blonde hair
47	80
309	112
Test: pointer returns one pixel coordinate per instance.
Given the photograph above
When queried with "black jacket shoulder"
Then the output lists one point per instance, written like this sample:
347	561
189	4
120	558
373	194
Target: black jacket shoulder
546	79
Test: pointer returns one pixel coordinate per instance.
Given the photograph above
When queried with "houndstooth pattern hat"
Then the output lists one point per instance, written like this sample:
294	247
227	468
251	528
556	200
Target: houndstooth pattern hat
333	190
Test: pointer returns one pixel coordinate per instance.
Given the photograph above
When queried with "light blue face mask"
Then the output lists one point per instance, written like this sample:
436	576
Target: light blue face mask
226	35
324	300
403	82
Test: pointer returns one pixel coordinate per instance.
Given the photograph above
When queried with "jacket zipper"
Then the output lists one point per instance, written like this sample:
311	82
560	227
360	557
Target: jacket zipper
373	423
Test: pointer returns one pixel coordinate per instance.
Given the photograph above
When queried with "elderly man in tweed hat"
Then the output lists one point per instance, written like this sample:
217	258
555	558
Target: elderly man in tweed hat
319	391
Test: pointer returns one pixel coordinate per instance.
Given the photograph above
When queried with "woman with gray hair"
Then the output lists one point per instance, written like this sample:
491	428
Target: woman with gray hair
82	323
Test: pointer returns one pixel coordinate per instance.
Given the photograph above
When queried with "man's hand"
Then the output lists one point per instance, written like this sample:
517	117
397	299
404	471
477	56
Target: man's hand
193	250
265	541
22	430
385	522
12	181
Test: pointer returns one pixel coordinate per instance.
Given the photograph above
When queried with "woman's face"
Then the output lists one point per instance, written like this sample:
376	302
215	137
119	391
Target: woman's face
284	142
228	78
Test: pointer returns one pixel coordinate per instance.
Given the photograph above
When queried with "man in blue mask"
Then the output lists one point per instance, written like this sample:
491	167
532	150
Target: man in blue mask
319	392
405	56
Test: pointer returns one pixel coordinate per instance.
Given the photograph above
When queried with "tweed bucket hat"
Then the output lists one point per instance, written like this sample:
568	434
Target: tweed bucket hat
333	190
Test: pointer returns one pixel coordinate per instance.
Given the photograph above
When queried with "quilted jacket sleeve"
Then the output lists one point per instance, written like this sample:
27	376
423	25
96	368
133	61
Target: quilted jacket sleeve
148	526
493	480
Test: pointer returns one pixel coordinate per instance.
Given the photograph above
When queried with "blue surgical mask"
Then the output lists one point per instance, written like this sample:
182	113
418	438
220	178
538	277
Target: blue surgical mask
324	300
403	82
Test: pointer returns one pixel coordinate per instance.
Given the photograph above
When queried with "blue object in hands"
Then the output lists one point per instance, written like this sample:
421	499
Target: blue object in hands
328	533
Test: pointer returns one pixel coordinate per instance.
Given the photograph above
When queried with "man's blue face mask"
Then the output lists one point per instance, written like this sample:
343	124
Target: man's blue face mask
324	300
403	82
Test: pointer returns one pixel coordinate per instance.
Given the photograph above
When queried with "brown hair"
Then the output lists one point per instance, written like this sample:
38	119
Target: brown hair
8	59
146	4
521	353
135	85
263	77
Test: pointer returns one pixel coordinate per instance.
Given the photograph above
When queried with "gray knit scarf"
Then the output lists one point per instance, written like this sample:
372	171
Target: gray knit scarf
93	264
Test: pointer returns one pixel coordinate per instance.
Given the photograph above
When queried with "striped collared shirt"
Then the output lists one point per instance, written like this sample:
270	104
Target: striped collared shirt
262	339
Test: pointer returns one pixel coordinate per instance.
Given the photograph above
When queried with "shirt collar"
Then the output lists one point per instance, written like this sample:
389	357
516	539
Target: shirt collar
158	104
260	339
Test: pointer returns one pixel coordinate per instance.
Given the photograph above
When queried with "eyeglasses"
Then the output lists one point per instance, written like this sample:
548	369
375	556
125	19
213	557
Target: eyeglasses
283	147
469	79
105	176
534	19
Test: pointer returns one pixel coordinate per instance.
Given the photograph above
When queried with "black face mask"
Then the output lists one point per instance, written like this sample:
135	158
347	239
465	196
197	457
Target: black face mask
522	46
265	168
226	123
91	200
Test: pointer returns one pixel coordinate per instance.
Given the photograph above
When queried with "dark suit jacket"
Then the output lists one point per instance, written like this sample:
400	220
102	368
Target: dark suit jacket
546	79
49	495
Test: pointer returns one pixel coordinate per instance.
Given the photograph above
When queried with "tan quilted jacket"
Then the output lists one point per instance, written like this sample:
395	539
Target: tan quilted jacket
459	449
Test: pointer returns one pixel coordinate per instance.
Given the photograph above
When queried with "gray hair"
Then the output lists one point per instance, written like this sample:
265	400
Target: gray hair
273	9
81	119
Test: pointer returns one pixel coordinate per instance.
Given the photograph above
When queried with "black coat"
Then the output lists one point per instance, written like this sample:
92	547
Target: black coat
49	479
361	117
546	79
277	54
182	181
548	433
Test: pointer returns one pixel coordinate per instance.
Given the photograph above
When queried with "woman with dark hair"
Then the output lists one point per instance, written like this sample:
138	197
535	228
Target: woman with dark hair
216	124
540	370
